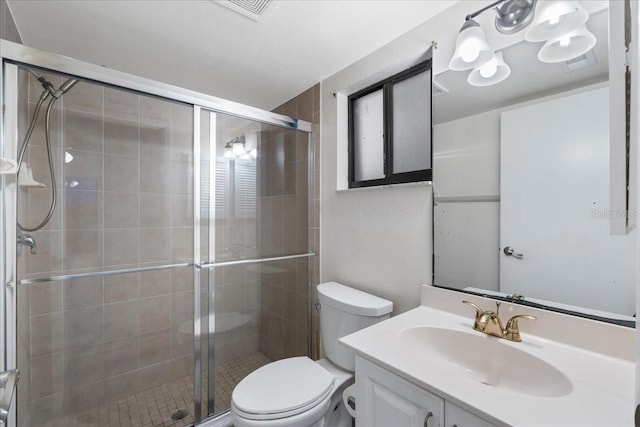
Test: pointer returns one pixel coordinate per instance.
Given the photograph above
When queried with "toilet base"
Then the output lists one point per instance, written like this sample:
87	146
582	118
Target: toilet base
329	413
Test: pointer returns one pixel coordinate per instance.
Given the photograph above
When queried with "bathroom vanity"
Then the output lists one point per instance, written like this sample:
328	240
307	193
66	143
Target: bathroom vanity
428	367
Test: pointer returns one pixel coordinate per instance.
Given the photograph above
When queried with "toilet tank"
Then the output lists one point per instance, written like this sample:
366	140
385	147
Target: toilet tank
344	310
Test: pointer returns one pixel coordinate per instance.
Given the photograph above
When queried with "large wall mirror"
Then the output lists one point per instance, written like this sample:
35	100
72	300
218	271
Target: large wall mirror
527	172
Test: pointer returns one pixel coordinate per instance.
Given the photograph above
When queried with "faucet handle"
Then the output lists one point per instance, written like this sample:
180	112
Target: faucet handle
512	329
478	323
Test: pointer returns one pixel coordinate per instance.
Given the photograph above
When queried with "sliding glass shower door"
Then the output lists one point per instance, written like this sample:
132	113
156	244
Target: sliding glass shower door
105	287
254	205
154	252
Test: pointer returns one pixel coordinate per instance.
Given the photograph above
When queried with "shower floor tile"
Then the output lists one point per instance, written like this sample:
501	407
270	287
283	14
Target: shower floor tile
153	407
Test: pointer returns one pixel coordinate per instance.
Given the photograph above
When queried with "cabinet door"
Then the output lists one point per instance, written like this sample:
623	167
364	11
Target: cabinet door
384	399
455	416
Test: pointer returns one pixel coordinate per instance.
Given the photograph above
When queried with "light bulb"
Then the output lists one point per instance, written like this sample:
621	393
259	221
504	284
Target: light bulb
553	21
469	52
489	69
565	41
238	149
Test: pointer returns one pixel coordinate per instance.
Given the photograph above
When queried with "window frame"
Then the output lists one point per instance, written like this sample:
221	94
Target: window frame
386	86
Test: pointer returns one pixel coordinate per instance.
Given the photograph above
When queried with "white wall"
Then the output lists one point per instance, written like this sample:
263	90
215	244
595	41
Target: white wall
378	240
466	163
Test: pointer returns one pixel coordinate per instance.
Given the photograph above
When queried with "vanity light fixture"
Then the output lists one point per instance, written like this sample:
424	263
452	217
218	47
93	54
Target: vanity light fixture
472	50
494	71
568	46
558	23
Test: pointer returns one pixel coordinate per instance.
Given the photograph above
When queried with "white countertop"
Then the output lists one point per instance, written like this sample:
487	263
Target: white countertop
602	384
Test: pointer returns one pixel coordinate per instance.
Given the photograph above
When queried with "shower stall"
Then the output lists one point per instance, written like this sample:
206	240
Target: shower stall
157	244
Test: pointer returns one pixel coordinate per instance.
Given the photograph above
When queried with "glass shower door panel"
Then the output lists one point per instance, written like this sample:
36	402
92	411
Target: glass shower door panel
107	291
259	210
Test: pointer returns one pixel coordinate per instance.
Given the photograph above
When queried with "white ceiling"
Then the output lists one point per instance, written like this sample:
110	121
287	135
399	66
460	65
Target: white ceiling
200	45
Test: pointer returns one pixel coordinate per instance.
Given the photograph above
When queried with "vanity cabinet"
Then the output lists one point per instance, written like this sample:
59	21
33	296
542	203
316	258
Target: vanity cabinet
384	399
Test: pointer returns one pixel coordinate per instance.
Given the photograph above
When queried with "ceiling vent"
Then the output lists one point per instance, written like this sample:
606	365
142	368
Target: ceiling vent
253	9
580	62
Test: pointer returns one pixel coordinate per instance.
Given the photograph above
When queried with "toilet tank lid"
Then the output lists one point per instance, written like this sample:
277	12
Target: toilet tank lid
352	300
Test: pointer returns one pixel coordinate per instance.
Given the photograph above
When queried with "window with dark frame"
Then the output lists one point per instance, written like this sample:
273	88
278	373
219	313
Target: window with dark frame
390	130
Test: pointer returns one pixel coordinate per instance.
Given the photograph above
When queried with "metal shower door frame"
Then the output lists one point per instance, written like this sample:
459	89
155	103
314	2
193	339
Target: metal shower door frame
13	55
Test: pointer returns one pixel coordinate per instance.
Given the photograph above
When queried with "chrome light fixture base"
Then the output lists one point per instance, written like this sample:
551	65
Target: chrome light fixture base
514	15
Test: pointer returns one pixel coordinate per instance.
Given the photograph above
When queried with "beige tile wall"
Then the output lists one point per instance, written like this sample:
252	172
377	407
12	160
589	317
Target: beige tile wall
125	200
286	226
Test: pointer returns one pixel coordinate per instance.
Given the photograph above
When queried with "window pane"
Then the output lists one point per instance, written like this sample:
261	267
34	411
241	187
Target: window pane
368	137
412	123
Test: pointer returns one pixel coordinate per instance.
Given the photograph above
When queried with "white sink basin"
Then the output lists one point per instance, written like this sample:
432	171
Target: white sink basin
488	360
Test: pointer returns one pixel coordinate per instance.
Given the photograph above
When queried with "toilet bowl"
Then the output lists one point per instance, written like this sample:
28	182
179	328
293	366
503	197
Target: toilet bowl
300	392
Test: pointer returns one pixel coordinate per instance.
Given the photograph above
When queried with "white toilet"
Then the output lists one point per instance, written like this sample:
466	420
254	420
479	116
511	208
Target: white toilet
298	392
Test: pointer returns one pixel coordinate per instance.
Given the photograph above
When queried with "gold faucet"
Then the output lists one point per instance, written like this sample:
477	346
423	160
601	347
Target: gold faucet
490	323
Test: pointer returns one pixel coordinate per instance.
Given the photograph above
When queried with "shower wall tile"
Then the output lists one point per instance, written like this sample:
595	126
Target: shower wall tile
121	287
153	283
83	327
121	246
38	160
121	320
155	375
155	244
121	386
155	347
81	293
87	98
119	104
121	356
120	173
83	366
47	375
47	408
82	209
181	243
45	297
155	209
155	313
154	142
46	334
82	249
181	174
80	398
154	111
181	210
121	136
181	280
155	175
82	131
284	298
121	209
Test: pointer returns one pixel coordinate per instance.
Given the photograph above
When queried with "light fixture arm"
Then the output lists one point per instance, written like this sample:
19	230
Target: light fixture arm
478	12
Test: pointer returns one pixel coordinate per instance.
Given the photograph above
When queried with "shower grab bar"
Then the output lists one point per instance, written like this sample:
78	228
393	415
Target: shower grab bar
255	260
8	382
102	273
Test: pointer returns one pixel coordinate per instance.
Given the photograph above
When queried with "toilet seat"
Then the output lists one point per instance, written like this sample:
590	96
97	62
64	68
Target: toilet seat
282	389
